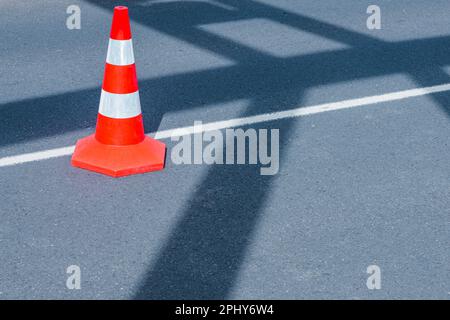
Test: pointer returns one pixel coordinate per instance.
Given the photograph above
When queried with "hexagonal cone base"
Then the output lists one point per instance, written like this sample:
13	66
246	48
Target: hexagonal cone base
119	161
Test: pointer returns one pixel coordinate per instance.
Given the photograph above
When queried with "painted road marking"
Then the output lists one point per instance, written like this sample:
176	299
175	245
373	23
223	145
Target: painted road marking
238	122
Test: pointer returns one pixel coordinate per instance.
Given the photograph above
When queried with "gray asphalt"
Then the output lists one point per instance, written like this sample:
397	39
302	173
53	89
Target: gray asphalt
356	187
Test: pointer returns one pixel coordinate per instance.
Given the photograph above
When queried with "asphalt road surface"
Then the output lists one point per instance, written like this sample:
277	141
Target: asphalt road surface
361	186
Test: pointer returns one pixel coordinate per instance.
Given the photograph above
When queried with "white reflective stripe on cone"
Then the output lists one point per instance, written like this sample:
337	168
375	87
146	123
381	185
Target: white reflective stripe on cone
119	106
120	52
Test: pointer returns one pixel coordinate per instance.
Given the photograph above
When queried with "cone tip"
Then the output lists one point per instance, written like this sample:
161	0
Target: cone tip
120	28
120	8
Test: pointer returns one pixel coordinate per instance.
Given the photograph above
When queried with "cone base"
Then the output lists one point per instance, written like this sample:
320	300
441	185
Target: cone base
119	161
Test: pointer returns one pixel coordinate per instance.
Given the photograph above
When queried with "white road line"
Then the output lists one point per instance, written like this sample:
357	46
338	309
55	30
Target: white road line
36	156
238	122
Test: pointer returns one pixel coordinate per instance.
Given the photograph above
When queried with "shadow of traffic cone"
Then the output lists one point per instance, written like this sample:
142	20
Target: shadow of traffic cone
119	146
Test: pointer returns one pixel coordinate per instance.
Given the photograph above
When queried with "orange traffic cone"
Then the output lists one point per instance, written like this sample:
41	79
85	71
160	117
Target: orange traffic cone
119	146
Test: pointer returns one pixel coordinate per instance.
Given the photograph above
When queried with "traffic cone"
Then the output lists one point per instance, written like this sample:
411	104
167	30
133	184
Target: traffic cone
119	146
